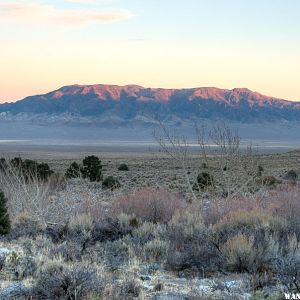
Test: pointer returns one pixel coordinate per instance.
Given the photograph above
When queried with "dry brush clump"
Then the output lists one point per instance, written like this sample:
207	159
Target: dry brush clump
191	244
27	191
59	281
155	205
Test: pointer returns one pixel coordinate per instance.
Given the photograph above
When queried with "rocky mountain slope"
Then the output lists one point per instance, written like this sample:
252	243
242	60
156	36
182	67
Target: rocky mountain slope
113	105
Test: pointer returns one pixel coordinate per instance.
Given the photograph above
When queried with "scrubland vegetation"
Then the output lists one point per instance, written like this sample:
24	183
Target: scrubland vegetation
233	233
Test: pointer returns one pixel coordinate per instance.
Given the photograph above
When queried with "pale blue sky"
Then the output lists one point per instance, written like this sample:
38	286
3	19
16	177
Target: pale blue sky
167	43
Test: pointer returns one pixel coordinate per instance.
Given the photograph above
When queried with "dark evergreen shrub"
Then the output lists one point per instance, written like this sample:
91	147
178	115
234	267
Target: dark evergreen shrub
31	169
73	171
44	172
4	216
111	182
123	167
3	164
16	162
92	168
203	181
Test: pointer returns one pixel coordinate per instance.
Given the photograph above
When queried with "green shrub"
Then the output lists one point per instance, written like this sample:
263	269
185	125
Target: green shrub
16	162
204	180
31	169
92	168
111	183
73	170
44	172
123	167
4	216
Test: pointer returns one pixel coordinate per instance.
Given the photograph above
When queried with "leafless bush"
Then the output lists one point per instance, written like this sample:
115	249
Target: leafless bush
27	194
149	205
234	171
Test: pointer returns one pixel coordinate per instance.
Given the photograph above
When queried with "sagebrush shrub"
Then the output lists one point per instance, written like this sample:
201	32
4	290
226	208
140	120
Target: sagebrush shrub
57	182
241	254
291	175
155	250
253	223
108	229
191	244
60	281
128	289
268	181
26	225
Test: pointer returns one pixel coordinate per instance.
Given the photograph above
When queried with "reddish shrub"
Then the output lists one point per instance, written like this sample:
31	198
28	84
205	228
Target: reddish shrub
286	204
149	205
223	207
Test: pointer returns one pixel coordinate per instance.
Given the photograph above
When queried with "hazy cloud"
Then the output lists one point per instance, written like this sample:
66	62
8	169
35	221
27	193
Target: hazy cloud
82	1
47	14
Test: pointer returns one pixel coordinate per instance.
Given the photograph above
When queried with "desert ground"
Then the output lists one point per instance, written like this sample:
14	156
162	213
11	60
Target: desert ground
156	235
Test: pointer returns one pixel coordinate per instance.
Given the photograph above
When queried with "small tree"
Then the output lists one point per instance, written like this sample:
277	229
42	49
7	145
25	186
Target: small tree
16	162
123	167
4	217
44	172
92	168
3	164
204	180
73	171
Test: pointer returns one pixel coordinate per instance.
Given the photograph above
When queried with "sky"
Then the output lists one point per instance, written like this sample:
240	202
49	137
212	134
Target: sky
47	44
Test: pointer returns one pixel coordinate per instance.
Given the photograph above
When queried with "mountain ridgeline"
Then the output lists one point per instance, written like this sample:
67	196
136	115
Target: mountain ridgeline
130	102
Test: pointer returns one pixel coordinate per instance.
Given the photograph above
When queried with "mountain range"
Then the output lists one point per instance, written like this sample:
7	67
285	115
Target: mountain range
104	102
119	107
